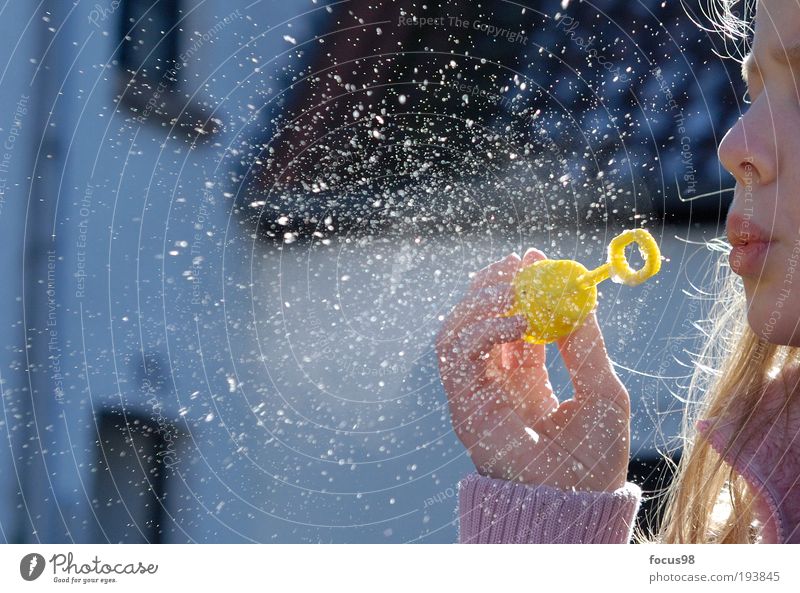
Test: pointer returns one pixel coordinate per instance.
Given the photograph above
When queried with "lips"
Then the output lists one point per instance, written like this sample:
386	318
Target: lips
750	245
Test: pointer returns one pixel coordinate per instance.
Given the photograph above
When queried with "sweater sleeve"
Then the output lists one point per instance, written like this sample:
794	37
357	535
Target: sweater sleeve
492	511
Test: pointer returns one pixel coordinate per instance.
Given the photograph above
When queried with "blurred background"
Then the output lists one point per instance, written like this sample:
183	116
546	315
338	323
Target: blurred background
232	229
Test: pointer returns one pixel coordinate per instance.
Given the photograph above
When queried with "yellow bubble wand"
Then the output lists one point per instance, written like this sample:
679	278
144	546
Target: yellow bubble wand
556	295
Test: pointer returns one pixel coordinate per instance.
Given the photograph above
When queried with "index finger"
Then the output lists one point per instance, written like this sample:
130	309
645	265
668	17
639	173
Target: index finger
489	295
500	271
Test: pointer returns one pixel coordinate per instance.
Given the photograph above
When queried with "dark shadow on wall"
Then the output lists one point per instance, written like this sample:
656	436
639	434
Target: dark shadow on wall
129	494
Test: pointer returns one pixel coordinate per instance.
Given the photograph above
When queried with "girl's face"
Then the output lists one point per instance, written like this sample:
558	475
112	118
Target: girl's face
762	151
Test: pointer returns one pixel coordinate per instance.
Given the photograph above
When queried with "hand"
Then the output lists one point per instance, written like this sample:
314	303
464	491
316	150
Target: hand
502	405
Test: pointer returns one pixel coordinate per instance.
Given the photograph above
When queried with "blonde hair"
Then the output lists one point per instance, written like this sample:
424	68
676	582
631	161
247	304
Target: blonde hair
707	501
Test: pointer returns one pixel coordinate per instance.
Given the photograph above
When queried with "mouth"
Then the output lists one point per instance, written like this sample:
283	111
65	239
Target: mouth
749	259
750	245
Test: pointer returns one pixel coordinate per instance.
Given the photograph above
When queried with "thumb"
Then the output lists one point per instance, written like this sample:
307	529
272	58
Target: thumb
586	359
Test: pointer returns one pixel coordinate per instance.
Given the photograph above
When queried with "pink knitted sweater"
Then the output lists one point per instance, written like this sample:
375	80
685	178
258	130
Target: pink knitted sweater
497	511
500	512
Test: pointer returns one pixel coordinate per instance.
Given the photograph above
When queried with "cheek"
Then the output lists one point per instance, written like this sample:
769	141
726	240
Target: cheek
787	207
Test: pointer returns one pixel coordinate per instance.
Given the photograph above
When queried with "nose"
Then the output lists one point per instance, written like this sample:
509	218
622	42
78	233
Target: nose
749	151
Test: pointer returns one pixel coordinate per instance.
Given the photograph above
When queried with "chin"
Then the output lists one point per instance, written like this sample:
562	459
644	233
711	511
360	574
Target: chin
775	323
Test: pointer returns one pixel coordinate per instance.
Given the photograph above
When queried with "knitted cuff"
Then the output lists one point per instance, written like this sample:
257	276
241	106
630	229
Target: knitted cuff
495	511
